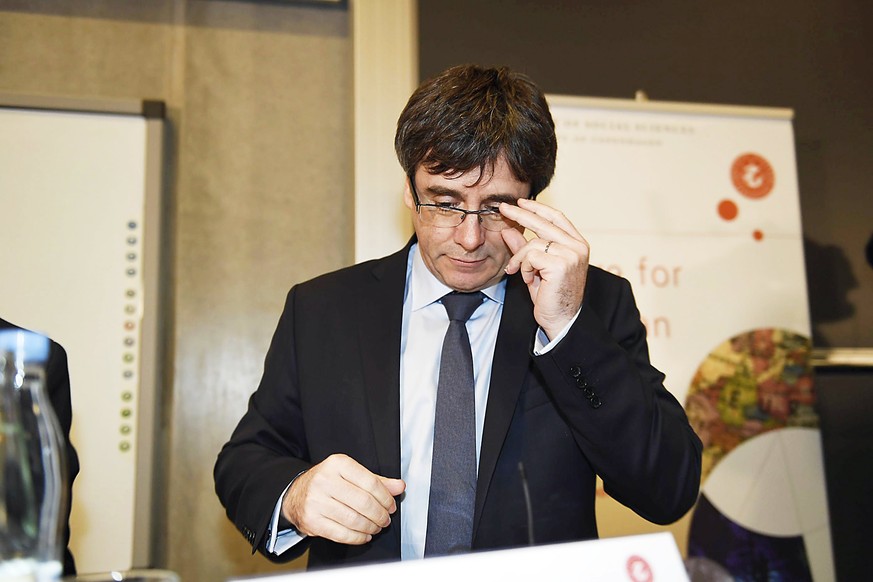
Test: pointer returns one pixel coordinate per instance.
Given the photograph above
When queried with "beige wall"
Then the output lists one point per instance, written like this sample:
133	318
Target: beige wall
259	195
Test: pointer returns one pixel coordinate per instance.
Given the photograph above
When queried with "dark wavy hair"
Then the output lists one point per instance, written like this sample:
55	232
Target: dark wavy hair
468	116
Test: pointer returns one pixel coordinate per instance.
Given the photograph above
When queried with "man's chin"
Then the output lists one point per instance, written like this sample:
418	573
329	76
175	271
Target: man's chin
467	284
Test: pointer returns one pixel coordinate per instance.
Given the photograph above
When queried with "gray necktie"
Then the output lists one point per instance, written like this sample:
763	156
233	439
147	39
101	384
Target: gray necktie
453	470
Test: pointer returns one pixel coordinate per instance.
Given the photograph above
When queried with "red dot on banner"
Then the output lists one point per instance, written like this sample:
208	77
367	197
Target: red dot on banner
758	235
727	210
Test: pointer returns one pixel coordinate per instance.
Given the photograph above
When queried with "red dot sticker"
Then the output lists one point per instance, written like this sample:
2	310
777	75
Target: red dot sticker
752	175
727	210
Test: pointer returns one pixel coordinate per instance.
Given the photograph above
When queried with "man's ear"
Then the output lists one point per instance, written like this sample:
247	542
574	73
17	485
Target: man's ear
407	195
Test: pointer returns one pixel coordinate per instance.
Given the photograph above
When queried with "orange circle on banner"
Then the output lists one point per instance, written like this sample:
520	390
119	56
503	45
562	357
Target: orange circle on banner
727	210
752	176
758	235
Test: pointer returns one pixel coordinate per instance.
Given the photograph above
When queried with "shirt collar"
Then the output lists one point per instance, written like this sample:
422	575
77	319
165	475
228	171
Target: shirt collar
427	289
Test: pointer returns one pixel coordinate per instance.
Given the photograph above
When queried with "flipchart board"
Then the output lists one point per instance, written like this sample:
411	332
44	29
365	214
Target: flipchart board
80	230
697	206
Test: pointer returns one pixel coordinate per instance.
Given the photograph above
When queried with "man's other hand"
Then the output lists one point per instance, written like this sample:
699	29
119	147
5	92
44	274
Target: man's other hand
340	500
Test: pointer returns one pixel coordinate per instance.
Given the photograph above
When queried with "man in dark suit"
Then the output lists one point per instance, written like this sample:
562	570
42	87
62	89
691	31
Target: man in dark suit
58	391
334	453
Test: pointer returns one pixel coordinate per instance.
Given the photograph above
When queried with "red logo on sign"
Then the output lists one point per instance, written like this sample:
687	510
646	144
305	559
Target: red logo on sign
752	176
638	570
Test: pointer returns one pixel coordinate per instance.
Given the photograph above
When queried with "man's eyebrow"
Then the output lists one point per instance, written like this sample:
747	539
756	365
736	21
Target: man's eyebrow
443	191
491	198
508	198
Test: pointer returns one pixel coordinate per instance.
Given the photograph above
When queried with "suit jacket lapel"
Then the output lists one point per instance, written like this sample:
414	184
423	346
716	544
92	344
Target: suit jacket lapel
380	322
511	362
380	325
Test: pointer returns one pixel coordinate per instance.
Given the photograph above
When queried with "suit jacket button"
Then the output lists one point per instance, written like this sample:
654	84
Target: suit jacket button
595	402
581	383
575	371
588	393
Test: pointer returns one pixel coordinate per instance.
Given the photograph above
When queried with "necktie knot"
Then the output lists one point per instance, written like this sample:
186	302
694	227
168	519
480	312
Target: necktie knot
460	306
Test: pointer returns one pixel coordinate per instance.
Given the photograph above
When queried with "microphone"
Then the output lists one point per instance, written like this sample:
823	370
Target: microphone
527	505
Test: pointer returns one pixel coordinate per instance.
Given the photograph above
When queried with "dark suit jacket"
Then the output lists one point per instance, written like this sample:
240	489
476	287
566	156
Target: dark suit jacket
58	389
593	405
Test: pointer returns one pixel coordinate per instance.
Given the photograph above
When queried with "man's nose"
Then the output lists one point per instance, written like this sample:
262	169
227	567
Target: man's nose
470	234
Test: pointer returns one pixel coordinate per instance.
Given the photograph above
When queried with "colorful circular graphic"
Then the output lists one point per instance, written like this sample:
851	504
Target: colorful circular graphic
762	512
752	175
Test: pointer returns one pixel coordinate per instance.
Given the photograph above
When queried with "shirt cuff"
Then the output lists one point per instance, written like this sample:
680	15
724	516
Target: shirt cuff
280	541
542	345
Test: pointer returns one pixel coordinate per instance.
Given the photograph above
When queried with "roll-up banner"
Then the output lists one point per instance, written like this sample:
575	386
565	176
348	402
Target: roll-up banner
697	206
